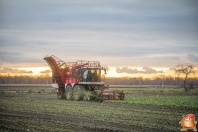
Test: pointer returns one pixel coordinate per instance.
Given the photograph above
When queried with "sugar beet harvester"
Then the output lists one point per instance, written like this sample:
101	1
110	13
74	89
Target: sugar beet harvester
81	80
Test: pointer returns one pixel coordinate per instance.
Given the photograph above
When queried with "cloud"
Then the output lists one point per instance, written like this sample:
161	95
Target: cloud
192	57
113	32
149	70
167	57
11	70
145	70
171	69
126	70
46	71
89	43
0	62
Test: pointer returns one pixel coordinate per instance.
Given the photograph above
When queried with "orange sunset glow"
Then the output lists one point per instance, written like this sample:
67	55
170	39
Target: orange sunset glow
111	72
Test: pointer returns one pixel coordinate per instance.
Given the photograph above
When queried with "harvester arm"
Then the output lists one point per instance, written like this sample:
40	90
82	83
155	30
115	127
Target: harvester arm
58	69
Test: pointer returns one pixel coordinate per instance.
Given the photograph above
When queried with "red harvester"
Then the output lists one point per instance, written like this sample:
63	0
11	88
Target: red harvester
81	80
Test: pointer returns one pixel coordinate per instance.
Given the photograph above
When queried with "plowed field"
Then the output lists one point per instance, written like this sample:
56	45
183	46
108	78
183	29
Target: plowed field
25	110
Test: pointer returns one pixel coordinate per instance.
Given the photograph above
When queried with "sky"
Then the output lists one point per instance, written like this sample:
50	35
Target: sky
129	37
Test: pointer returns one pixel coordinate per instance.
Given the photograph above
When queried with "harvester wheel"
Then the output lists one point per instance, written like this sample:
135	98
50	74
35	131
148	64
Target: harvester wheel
60	94
63	94
78	92
68	92
87	95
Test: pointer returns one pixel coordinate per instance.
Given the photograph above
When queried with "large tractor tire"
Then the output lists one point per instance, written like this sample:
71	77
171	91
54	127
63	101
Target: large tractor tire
87	96
61	94
68	92
78	92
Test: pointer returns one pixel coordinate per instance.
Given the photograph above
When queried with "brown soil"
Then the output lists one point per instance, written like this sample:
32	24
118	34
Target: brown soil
24	119
63	122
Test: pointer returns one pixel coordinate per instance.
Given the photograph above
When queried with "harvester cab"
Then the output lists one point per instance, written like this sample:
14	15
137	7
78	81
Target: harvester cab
81	80
91	75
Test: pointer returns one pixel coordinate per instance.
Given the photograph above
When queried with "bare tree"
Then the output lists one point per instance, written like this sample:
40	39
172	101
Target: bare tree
186	70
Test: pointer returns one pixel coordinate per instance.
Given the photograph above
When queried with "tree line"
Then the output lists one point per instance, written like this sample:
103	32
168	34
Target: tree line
161	81
158	80
24	79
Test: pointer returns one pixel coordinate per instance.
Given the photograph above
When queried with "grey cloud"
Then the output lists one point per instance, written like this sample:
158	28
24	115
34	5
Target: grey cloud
20	57
79	46
0	62
152	13
30	30
149	70
46	71
126	70
145	70
171	68
165	57
32	49
192	57
10	70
